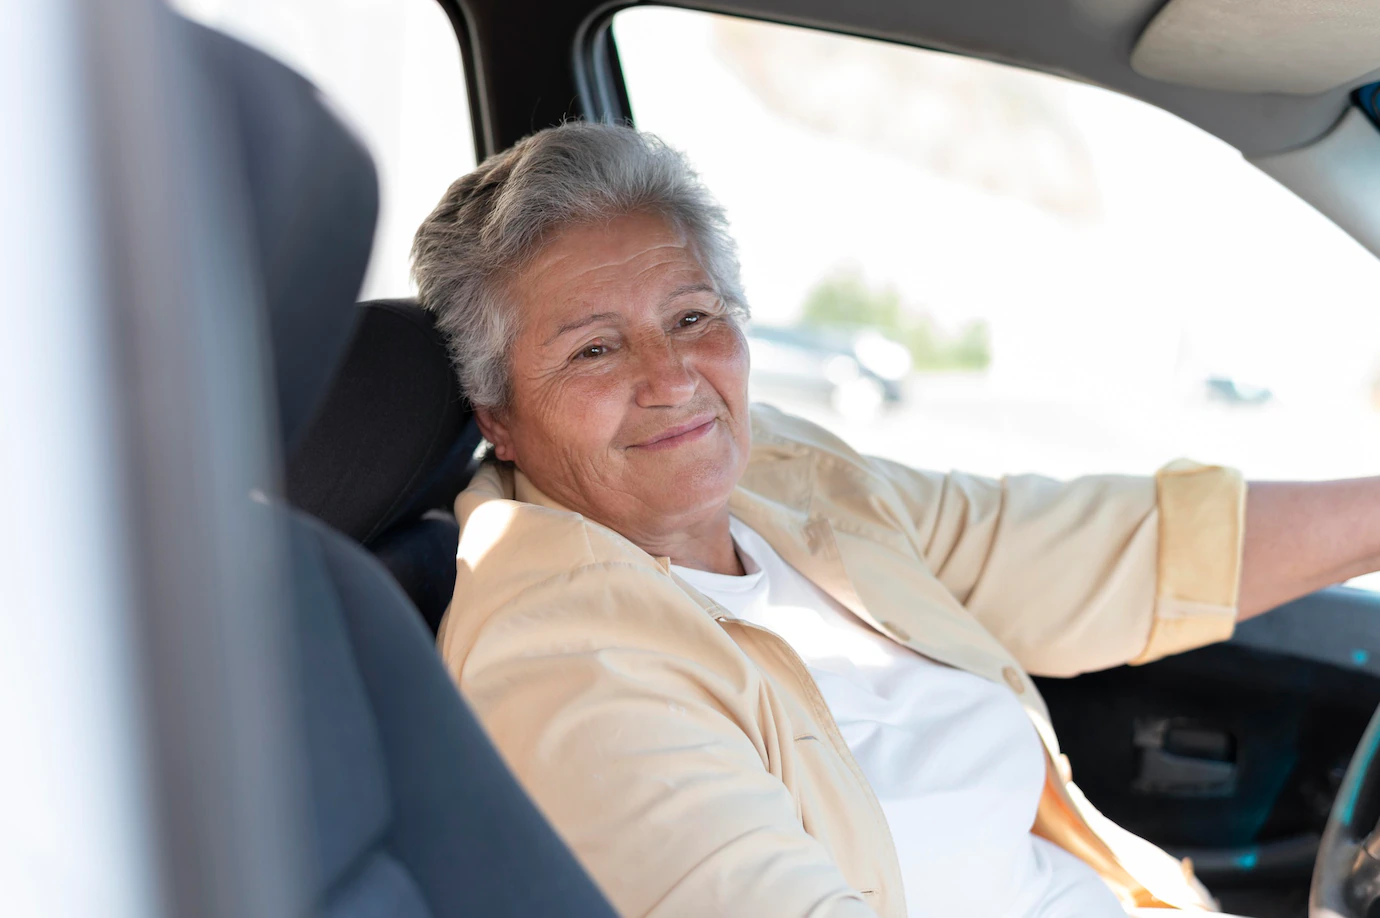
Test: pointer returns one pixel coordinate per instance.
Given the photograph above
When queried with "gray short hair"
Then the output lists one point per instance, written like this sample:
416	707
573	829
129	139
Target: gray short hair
491	222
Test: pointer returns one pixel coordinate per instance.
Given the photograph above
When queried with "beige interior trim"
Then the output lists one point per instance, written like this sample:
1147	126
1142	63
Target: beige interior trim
1339	175
1285	46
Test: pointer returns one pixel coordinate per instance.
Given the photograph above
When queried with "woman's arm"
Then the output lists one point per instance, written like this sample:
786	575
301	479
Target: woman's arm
1303	536
1081	575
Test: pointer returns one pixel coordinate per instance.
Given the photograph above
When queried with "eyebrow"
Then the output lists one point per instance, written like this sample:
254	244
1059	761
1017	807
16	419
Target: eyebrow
594	318
581	323
685	289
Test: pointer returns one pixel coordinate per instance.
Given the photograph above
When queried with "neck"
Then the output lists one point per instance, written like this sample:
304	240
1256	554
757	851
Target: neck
703	546
699	541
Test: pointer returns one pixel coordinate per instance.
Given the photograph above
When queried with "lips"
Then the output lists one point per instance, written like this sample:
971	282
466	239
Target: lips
682	433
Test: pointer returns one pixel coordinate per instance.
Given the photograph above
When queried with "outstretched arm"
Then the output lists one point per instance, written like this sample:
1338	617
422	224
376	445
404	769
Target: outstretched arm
1303	536
1075	576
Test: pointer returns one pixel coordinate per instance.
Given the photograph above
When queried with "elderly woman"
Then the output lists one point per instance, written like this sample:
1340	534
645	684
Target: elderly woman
747	671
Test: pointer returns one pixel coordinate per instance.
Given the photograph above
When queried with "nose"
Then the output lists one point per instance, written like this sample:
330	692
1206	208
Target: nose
666	379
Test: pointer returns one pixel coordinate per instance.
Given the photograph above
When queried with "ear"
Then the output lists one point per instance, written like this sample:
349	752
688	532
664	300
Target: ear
492	426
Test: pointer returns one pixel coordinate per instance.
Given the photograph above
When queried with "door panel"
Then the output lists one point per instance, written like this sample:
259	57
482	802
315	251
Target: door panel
1231	754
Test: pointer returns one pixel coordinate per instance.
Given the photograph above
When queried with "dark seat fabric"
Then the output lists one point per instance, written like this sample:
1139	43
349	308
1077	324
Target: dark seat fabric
393	437
411	812
389	449
417	815
314	200
420	555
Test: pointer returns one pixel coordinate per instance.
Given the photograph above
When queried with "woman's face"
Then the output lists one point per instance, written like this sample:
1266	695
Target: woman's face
629	380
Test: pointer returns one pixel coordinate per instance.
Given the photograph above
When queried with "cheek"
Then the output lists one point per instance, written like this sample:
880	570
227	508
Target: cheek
725	365
577	415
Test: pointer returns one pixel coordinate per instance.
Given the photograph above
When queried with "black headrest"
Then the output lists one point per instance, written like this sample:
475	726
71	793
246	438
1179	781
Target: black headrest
394	437
314	201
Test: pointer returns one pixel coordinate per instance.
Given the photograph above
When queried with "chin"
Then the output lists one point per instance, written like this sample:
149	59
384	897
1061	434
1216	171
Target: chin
701	486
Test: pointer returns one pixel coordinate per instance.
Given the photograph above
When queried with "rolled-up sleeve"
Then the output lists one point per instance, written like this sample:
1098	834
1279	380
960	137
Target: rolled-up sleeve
1090	573
1202	523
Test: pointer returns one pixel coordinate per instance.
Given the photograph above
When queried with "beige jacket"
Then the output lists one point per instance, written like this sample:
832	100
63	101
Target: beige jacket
689	760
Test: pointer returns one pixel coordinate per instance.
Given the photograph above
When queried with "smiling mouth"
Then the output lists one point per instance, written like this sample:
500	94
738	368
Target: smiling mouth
678	436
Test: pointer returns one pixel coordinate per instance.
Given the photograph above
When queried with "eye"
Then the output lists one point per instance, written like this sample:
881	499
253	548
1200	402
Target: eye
591	351
691	318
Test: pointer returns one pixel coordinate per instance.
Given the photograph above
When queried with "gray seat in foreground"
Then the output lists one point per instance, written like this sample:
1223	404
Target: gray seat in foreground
412	811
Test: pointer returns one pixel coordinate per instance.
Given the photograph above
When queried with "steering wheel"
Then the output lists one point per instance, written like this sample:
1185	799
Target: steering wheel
1346	876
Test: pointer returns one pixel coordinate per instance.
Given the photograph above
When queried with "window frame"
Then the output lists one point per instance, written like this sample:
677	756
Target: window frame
462	27
603	93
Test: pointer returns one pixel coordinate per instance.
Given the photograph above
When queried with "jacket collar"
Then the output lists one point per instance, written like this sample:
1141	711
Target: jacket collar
504	481
774	498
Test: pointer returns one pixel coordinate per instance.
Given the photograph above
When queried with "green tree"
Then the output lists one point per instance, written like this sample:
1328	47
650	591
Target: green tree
844	299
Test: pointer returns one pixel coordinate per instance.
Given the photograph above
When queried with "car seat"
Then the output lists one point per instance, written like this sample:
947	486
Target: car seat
388	450
411	811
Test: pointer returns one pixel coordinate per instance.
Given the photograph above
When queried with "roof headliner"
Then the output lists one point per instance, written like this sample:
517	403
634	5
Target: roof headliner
1088	40
1247	46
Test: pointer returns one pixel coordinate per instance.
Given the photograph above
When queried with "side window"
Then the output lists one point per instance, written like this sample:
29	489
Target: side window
393	68
963	265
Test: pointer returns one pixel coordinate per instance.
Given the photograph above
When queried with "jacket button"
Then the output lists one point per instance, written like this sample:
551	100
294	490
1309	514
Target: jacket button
896	631
1013	679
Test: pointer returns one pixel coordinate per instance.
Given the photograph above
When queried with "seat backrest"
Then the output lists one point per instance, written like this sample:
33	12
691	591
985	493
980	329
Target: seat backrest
388	450
420	556
412	813
393	437
415	813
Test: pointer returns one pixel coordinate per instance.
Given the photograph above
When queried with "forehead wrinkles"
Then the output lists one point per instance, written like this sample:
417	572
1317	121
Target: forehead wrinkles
600	267
607	244
614	272
559	267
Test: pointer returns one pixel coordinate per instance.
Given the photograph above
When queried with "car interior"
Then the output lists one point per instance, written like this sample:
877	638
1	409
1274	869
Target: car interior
385	737
1235	756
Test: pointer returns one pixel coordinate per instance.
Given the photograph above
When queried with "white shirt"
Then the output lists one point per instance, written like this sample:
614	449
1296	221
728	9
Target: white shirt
953	759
